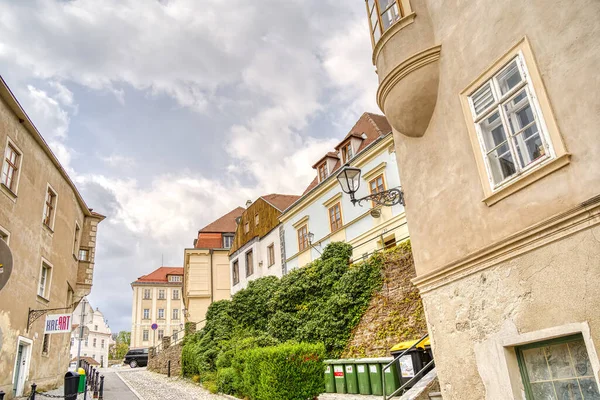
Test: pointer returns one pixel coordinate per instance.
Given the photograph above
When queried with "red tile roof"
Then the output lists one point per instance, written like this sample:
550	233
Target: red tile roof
225	224
372	125
280	201
209	241
160	275
330	154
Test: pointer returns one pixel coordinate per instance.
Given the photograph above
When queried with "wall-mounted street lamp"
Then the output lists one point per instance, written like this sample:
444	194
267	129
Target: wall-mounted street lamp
349	179
311	238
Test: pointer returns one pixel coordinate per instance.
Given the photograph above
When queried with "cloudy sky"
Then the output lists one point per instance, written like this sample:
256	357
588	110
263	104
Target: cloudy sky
169	113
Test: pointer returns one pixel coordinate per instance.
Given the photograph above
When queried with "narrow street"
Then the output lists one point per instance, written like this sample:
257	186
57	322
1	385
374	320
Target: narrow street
153	386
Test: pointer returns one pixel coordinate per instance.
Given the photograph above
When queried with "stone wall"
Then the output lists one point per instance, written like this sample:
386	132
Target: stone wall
159	362
395	313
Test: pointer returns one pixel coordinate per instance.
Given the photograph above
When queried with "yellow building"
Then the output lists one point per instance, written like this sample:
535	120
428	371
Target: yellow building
495	111
157	299
323	214
51	233
206	266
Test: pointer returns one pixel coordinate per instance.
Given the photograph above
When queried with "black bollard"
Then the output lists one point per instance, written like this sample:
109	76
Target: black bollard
101	392
169	369
96	381
33	388
2	395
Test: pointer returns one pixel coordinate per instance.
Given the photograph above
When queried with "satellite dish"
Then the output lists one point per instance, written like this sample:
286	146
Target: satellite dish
6	263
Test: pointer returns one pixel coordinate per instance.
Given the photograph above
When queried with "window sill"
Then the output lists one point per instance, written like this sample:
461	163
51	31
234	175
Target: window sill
12	195
75	258
48	228
528	178
42	300
392	30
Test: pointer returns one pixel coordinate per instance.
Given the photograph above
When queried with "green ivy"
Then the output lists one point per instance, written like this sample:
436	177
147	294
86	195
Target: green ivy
320	303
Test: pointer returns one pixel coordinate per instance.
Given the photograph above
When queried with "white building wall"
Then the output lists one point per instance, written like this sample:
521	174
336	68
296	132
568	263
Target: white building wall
356	219
261	263
99	339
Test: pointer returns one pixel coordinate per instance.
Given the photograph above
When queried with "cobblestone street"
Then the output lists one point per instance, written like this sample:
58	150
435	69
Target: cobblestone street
152	386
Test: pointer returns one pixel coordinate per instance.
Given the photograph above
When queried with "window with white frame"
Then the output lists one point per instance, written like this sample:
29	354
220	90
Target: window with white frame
145	335
175	278
235	272
161	313
175	313
102	344
84	254
508	121
94	342
44	282
11	167
146	313
161	334
147	294
227	241
175	294
161	294
49	208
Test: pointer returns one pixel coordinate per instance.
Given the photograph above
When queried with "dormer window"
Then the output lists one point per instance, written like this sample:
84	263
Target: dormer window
323	172
382	15
347	152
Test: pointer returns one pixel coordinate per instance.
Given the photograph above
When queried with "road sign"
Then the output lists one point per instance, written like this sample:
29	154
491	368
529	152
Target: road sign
154	326
6	262
58	323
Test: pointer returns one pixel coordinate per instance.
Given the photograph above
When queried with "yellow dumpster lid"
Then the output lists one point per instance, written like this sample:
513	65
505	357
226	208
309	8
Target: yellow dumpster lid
410	343
81	371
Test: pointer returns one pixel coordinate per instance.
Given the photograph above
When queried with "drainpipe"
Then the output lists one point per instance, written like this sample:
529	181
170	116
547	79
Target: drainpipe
212	283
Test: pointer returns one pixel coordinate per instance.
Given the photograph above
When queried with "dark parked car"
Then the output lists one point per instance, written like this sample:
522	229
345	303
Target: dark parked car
136	357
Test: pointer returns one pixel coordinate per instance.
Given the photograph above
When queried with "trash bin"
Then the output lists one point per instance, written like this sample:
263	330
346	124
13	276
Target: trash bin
71	384
375	378
362	373
338	376
392	377
351	377
82	380
329	379
414	360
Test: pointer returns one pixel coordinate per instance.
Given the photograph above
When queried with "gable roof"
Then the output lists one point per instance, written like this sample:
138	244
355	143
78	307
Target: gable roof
373	126
159	275
280	201
225	224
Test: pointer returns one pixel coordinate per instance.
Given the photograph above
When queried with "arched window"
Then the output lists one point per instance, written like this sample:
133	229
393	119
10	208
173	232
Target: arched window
382	15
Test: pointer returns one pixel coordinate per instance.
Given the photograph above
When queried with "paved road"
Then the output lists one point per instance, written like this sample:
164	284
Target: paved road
153	386
116	389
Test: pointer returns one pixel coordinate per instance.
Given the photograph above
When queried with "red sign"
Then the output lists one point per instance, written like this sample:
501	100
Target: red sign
338	374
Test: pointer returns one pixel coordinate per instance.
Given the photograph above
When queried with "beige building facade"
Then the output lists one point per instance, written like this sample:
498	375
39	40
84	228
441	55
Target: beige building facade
157	299
495	112
51	233
206	266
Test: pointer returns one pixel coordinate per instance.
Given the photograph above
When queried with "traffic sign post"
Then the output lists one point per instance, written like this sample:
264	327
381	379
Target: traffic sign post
154	327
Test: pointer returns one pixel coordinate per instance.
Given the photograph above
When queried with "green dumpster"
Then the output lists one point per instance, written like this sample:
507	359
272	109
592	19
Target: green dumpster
362	373
374	375
338	376
351	377
329	380
392	377
81	387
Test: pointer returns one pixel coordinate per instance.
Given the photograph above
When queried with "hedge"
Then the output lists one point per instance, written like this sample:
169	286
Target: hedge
291	371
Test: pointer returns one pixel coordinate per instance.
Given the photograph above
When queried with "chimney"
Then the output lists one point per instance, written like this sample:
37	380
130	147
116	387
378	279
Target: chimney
248	203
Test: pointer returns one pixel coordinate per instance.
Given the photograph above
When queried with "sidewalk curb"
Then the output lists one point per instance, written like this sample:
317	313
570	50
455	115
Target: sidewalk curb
139	396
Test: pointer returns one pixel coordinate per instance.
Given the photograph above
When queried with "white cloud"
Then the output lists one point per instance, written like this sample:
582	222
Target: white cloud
271	67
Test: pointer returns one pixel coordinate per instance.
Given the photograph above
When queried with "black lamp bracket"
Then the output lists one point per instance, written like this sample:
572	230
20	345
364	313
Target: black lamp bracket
387	198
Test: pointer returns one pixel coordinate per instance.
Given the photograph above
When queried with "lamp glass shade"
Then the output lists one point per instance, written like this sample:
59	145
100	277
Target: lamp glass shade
349	179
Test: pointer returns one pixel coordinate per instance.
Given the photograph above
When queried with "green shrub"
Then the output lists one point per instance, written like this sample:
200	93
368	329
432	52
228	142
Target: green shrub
249	305
291	371
226	380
